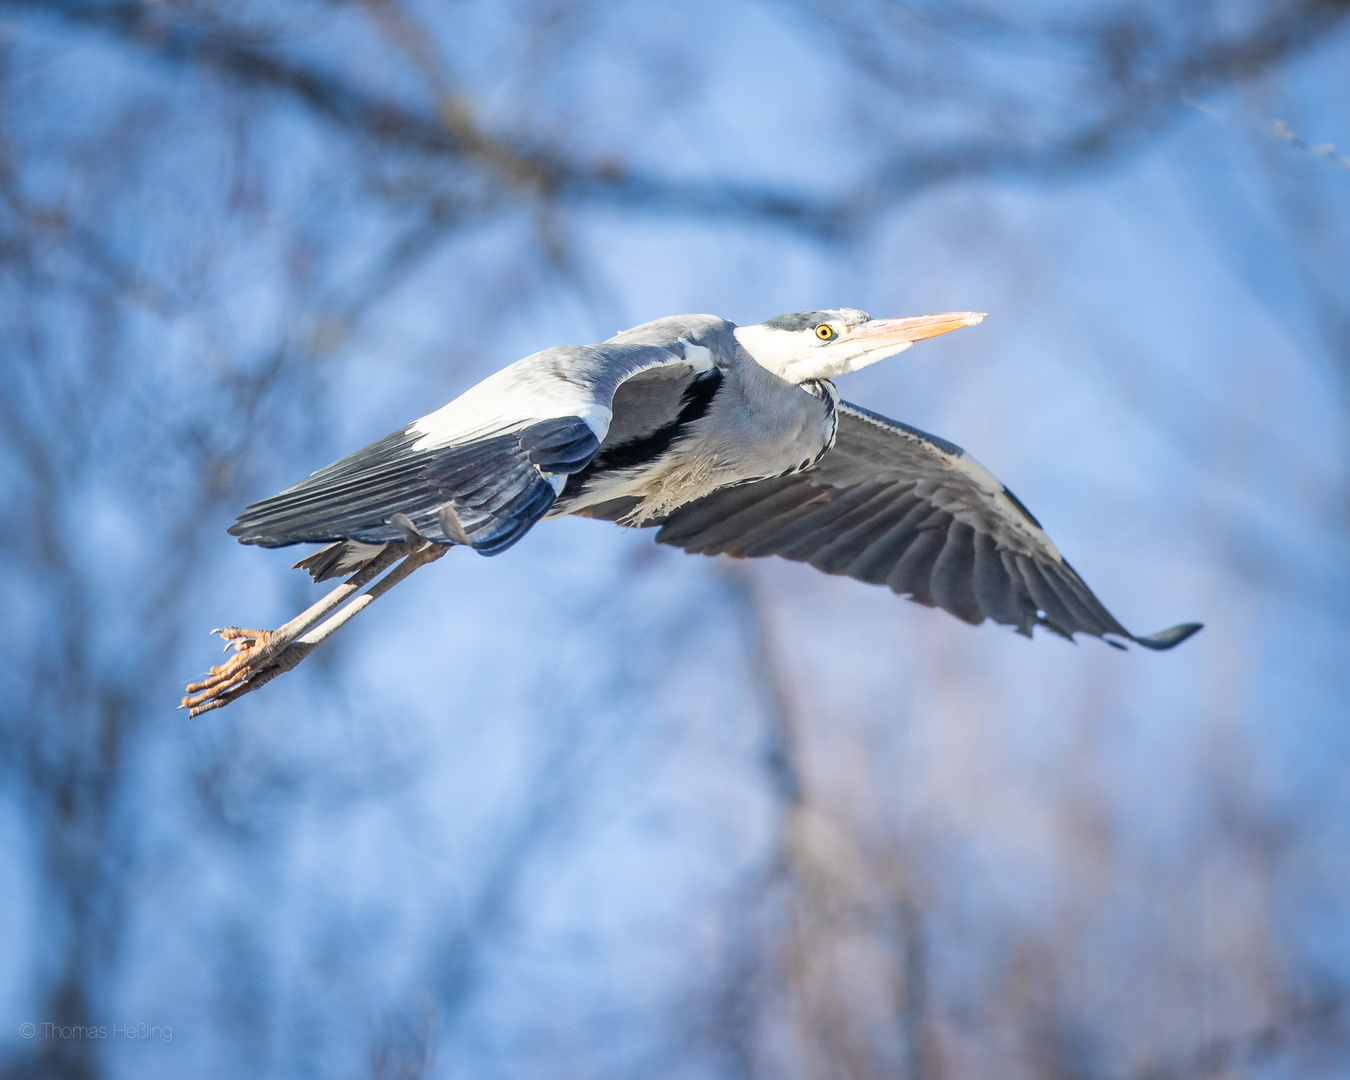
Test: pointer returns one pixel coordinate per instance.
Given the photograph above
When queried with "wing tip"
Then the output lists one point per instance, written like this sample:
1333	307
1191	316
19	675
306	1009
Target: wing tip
1170	638
248	528
259	538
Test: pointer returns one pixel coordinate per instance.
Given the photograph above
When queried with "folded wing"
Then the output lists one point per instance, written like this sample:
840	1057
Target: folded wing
480	471
892	505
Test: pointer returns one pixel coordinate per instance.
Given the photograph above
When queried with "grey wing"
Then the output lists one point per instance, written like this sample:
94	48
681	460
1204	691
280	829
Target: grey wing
889	504
480	471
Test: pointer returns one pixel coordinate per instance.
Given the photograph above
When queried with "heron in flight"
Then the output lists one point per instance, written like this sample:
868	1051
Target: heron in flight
726	439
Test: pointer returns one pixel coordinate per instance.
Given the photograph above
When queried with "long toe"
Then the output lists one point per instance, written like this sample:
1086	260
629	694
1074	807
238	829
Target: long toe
241	637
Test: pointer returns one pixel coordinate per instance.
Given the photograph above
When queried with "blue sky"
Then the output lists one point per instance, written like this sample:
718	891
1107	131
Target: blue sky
526	796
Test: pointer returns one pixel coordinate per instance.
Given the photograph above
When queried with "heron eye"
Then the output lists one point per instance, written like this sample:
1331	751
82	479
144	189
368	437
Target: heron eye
824	331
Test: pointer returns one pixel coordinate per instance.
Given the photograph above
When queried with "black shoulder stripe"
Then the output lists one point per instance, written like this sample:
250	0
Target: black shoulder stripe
695	402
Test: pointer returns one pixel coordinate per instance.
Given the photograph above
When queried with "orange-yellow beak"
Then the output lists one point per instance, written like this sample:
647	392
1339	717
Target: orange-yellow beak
881	333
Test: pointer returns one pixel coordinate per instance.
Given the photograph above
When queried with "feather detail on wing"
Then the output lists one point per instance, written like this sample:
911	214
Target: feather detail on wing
892	505
482	470
496	487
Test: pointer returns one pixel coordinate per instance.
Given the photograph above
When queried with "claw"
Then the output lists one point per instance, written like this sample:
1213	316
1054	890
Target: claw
239	638
255	654
230	633
261	655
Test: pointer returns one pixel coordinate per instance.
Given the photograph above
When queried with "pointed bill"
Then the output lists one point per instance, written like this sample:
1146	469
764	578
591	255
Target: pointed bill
888	333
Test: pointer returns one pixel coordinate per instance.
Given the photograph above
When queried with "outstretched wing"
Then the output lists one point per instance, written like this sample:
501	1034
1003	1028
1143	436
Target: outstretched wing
483	469
892	505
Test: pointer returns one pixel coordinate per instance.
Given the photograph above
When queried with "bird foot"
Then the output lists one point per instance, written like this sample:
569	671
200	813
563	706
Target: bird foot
261	655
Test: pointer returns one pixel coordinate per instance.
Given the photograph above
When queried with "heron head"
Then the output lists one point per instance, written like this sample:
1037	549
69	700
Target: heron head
805	345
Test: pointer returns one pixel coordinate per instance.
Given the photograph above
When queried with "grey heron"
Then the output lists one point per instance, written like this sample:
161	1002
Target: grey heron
727	439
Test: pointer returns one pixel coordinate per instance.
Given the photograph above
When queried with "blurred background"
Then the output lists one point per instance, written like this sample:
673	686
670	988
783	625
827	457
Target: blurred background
597	808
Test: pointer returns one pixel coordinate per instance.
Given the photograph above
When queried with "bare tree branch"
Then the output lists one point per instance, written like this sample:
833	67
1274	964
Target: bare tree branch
1142	105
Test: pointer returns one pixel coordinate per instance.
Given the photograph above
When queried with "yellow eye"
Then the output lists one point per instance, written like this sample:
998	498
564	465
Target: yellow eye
824	331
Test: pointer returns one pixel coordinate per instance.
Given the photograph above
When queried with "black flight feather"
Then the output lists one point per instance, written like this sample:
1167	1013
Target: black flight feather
496	486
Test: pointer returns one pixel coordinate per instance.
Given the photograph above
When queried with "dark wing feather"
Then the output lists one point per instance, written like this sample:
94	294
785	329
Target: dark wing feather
890	504
486	467
494	484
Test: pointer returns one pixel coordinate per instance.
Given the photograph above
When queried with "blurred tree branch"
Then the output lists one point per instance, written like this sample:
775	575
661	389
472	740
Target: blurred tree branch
1129	73
1144	91
449	132
86	424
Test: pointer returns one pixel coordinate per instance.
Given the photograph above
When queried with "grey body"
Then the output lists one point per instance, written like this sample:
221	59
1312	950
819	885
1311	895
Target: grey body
732	440
756	425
